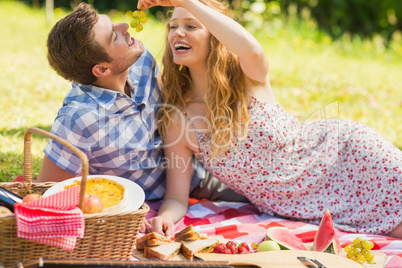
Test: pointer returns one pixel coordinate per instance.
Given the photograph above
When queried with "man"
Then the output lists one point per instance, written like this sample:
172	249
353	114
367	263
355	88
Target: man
109	114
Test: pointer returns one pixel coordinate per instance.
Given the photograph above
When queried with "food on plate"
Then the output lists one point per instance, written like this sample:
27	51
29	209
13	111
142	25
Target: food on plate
325	239
268	245
31	197
285	238
112	193
189	248
92	204
360	251
151	239
188	233
165	251
4	211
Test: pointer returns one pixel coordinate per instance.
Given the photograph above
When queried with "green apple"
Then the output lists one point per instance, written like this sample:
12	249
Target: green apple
268	245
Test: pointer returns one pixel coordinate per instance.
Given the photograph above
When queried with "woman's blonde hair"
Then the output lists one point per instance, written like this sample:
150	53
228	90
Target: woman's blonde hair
225	95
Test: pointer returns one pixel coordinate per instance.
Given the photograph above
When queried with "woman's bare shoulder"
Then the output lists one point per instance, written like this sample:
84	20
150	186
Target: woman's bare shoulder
262	91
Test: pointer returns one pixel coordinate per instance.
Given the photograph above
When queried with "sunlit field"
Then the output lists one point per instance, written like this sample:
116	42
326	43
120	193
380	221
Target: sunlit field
313	77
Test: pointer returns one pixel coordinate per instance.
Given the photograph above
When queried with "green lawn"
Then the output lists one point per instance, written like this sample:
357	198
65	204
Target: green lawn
312	77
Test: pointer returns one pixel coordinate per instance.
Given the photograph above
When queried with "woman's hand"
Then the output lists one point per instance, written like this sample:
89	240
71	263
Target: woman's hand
161	225
145	226
145	4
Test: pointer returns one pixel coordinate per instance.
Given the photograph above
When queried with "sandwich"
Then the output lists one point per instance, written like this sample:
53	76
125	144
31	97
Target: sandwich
165	251
188	234
189	248
151	239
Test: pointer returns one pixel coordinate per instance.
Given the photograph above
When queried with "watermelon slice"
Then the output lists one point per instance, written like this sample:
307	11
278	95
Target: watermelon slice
325	239
285	238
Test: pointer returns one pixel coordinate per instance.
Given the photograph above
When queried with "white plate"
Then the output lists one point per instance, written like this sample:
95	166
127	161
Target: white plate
136	195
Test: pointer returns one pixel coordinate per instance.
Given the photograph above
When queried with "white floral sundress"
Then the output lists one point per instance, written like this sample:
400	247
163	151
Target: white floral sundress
298	171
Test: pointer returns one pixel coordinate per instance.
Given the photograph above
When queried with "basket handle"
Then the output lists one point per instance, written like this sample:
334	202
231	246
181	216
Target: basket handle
75	150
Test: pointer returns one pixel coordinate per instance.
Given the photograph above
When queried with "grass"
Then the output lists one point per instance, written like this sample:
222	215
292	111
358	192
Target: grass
312	78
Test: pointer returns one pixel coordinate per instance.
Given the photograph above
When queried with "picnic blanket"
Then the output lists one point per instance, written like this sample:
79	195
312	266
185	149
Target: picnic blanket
242	222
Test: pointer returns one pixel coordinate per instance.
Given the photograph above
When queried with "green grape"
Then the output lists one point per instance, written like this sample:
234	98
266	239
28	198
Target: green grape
142	14
350	255
368	255
367	244
129	14
357	240
139	17
134	23
348	248
360	258
356	251
360	251
139	28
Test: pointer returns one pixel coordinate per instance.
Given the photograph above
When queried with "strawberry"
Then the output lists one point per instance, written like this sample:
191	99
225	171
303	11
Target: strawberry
232	246
242	249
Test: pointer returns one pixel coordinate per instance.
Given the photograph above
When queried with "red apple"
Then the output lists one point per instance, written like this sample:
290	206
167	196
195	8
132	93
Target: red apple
31	197
4	211
92	204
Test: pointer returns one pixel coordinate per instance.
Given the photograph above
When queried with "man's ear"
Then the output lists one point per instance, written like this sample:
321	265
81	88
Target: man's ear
101	70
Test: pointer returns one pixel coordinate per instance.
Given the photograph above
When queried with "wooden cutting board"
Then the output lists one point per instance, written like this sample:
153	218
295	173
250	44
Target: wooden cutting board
288	258
280	259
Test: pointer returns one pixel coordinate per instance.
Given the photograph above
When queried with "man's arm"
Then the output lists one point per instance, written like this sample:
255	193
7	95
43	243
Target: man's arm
51	172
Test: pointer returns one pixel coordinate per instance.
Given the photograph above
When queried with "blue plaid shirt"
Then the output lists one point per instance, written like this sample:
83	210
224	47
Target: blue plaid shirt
117	133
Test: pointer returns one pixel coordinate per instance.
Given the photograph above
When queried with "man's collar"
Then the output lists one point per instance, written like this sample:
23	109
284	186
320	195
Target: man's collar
104	97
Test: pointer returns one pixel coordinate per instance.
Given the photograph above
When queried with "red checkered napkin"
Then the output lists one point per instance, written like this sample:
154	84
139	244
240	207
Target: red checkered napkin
55	220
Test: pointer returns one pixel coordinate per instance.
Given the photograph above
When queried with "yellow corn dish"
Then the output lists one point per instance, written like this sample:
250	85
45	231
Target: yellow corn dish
110	192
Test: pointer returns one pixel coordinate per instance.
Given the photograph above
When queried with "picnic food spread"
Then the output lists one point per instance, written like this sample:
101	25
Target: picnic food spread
112	193
54	226
187	241
190	243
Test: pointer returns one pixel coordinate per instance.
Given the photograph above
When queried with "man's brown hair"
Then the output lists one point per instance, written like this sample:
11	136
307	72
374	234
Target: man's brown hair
72	47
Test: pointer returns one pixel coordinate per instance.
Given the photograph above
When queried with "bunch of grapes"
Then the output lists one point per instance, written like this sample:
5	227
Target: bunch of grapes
139	17
360	251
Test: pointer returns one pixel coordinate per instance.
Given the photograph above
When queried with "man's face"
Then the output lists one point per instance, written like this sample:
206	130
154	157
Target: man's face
123	49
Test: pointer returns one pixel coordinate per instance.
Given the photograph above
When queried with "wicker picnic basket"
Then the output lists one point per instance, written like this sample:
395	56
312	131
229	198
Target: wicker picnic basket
107	236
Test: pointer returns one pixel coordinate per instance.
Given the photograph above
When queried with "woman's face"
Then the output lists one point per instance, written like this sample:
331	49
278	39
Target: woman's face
188	39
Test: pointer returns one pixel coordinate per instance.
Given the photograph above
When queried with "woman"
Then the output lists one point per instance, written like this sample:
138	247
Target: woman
219	105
